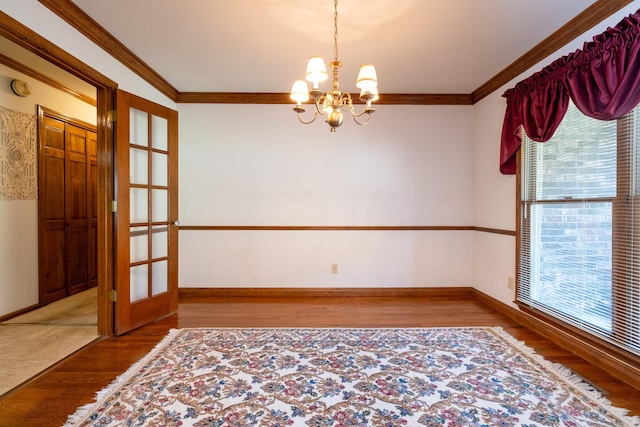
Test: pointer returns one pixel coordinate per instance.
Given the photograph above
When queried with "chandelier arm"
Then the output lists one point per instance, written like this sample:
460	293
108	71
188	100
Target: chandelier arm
355	117
320	107
346	102
315	116
367	109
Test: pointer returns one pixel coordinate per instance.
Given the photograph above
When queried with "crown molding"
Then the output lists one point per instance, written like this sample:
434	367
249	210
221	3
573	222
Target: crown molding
82	22
587	19
33	42
283	98
15	65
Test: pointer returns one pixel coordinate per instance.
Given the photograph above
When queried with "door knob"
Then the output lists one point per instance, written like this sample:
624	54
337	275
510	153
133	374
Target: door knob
176	223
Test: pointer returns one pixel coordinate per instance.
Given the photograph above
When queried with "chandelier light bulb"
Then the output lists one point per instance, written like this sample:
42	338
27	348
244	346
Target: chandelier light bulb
316	71
367	77
300	92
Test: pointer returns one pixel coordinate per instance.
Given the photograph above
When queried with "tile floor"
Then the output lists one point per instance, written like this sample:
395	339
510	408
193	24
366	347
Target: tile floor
34	341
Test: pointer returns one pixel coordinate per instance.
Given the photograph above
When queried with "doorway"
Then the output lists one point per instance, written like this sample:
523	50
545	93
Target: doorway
113	283
24	37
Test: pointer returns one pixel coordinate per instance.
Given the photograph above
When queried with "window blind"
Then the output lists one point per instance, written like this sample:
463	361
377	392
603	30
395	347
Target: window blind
579	257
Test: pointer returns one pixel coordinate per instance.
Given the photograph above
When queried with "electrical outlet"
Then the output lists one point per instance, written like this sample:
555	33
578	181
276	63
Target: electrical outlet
334	268
511	283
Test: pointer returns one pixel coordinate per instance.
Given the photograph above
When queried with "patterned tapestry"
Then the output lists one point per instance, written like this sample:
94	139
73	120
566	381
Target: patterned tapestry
18	170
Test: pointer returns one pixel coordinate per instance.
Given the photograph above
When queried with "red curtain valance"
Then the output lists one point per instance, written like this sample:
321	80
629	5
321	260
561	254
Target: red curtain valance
602	80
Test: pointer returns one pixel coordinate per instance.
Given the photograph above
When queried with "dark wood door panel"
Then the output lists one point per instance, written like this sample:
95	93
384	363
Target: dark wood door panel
51	212
76	191
53	265
52	189
77	138
54	134
77	260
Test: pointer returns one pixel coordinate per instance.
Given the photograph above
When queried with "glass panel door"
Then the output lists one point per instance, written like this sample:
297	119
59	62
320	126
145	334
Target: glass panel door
148	204
147	199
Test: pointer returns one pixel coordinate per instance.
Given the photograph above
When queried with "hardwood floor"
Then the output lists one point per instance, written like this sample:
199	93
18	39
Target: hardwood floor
50	398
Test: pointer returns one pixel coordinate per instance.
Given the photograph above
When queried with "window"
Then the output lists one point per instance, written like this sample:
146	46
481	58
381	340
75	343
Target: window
579	257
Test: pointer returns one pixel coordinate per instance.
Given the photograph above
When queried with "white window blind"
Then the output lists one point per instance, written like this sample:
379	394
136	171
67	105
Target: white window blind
579	257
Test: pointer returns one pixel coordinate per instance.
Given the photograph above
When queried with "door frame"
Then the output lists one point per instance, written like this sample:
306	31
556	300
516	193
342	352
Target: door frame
105	109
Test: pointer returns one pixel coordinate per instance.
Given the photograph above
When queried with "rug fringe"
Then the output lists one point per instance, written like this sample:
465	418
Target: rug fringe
102	395
570	377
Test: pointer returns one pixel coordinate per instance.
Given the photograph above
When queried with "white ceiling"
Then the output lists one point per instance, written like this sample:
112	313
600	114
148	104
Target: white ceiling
417	46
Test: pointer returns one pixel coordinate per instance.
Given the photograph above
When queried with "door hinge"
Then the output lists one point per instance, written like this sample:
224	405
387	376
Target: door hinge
113	205
113	295
111	116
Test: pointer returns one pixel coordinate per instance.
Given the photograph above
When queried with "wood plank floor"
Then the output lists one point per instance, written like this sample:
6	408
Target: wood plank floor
50	398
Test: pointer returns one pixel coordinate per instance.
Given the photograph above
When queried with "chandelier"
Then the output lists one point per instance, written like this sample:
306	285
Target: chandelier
333	102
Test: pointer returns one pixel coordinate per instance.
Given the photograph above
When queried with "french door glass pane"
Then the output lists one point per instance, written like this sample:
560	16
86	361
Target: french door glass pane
160	133
139	282
160	242
160	277
138	127
160	169
139	244
139	205
138	166
160	205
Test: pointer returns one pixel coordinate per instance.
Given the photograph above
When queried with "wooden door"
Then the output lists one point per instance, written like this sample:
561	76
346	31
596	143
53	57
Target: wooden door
52	246
67	223
92	209
147	210
76	199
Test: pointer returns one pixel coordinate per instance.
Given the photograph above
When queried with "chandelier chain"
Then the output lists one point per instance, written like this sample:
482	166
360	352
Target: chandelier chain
335	30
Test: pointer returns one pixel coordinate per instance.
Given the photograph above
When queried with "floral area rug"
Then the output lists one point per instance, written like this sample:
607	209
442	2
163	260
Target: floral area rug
346	377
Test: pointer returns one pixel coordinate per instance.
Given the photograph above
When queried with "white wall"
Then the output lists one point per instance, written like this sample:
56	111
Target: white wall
494	204
256	165
19	225
494	256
